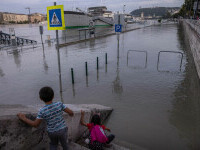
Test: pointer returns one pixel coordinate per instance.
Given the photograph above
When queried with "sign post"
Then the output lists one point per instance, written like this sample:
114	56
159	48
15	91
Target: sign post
41	32
56	21
196	8
12	36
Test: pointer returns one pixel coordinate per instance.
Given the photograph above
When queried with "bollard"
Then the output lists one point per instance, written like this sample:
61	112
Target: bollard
72	73
86	69
97	63
106	58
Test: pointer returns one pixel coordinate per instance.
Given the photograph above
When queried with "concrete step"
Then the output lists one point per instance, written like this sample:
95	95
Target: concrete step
129	146
75	146
116	147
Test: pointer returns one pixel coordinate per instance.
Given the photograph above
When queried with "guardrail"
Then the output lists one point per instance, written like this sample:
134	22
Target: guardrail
158	61
138	51
6	40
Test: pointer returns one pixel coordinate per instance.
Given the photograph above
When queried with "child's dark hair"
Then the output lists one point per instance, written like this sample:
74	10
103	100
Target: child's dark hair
96	120
46	94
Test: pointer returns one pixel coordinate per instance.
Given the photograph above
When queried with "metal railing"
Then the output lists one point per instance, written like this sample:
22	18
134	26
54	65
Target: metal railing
138	51
158	62
5	39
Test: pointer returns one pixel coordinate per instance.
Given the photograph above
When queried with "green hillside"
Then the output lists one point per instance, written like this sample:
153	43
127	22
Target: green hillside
157	11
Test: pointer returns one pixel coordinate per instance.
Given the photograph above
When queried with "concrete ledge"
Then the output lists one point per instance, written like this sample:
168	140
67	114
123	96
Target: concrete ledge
14	134
194	41
98	37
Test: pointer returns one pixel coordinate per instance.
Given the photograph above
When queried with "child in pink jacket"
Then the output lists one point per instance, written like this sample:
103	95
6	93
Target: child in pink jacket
98	138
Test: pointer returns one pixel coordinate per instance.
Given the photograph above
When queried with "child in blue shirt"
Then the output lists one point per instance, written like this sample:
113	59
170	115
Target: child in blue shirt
52	113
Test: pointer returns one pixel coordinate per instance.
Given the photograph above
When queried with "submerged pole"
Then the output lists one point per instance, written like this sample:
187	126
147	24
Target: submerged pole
86	69
97	63
106	57
72	74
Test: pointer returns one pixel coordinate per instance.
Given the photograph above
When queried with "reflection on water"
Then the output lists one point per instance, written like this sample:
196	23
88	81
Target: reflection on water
185	115
46	67
117	86
87	83
17	58
73	90
97	74
1	72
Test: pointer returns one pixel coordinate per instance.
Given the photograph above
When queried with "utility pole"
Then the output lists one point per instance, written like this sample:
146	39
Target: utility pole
29	15
58	55
195	13
191	8
124	9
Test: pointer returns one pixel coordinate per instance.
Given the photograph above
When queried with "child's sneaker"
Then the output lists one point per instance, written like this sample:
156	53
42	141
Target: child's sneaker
87	141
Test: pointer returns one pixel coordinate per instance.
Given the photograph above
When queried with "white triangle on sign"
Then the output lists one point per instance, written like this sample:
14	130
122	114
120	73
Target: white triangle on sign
55	20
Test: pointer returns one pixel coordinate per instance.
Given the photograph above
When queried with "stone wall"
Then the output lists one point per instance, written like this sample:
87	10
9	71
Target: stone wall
14	134
192	31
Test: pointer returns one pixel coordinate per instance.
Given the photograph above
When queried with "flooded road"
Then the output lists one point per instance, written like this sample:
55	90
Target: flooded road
156	104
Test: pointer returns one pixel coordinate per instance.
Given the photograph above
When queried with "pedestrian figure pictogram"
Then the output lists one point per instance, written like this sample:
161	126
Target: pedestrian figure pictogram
55	20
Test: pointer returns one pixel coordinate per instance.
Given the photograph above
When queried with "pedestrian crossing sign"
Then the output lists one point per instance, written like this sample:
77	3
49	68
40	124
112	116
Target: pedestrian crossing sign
55	17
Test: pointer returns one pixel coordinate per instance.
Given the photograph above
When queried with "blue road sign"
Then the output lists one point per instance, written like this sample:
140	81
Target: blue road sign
55	19
118	28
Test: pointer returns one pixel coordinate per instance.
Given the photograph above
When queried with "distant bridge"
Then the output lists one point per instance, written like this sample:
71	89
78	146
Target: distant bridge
5	39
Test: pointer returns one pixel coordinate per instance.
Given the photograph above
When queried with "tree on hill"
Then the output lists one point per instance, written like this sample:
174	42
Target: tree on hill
187	8
157	11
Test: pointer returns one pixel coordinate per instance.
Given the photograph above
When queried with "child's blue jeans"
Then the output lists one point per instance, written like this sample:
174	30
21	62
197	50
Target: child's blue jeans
56	137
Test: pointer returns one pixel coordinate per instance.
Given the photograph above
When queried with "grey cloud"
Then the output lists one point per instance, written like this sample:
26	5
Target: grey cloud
18	6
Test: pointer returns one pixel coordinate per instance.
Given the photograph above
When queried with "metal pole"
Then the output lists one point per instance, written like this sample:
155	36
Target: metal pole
119	21
72	73
118	46
42	42
118	17
195	13
197	6
86	69
106	59
190	8
97	63
58	54
124	9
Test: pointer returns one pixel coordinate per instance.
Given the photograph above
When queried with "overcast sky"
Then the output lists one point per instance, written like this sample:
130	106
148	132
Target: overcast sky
18	6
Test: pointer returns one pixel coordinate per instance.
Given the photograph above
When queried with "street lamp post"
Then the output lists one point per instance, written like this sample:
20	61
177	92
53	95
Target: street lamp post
196	10
124	9
29	10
